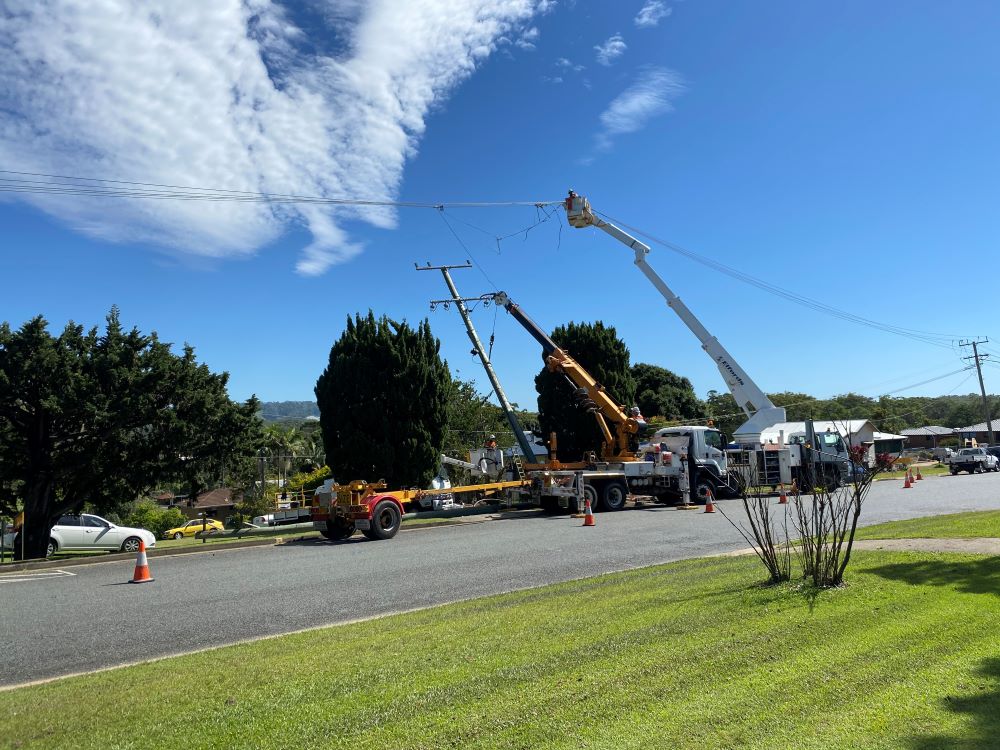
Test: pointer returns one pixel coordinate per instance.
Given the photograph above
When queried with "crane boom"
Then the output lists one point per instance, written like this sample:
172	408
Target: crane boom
597	400
760	411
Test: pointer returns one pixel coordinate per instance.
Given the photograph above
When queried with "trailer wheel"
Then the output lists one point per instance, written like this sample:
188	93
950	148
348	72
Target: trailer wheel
590	493
614	495
338	530
385	521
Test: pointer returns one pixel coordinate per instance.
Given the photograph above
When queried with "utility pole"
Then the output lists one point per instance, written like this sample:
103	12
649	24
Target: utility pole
982	388
508	410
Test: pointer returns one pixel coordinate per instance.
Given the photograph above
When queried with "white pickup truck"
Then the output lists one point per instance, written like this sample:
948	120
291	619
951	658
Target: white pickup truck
973	460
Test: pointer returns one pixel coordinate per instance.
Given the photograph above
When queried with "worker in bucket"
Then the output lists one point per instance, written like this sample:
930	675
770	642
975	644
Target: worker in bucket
637	416
491	443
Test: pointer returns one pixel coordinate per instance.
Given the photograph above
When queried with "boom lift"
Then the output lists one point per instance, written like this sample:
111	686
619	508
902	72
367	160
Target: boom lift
806	461
760	412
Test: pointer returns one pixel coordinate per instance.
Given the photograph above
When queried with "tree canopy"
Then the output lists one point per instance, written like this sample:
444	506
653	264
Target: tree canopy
661	393
599	350
383	402
102	418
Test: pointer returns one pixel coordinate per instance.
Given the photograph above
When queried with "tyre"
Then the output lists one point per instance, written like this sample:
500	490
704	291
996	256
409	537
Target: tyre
338	530
590	493
954	472
179	535
385	520
832	478
51	549
131	544
614	495
702	490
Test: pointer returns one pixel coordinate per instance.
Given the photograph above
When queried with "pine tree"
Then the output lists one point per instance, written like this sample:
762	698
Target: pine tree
383	402
599	350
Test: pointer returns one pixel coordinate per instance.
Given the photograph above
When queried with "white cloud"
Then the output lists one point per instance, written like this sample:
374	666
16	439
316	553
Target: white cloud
528	38
221	94
565	64
651	13
611	50
648	97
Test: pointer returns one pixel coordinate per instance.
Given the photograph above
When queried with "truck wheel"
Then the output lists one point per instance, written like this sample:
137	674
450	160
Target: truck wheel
337	531
702	490
590	493
614	495
954	471
385	521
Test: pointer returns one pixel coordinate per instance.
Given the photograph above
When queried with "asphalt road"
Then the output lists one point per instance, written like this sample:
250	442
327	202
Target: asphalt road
53	624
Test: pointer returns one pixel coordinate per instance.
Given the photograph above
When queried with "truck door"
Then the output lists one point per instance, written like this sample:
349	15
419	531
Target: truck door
714	450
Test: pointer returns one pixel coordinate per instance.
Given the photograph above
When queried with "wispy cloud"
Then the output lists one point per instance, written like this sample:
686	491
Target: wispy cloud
567	64
651	13
611	50
528	38
227	94
648	97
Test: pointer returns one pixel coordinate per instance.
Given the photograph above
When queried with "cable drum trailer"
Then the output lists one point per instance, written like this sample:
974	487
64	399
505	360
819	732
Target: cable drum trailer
339	510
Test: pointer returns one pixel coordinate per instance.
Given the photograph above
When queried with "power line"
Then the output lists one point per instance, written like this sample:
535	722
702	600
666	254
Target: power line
54	184
945	341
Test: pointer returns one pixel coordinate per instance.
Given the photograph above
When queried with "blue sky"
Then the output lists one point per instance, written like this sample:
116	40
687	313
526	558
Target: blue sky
846	152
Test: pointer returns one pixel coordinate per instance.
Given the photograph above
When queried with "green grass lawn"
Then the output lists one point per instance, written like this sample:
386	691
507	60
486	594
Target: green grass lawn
926	471
961	525
693	654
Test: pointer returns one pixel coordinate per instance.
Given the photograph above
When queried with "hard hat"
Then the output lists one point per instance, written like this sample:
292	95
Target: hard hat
493	437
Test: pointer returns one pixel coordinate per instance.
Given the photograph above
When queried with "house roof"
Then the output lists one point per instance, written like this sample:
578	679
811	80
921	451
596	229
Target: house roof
931	430
220	496
980	427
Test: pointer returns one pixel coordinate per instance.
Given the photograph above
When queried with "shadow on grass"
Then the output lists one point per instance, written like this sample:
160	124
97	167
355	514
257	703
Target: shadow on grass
984	709
980	576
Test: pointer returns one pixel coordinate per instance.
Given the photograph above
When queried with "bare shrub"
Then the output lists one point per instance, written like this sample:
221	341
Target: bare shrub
766	531
826	520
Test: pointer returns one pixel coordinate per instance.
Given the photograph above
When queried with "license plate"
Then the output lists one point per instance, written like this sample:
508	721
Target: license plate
363	525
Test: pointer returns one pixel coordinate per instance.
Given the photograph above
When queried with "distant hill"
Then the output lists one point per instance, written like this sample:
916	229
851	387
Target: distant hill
288	411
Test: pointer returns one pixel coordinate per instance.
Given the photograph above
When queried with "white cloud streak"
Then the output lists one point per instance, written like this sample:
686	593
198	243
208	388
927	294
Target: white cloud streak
652	13
648	97
611	50
220	94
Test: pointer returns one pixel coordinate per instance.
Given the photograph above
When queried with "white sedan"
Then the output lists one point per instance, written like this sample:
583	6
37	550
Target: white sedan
87	532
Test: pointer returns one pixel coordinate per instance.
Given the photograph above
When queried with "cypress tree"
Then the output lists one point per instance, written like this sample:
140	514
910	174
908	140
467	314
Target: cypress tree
383	401
599	350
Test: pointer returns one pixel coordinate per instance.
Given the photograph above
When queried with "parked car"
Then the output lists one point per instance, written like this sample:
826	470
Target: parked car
193	527
973	460
942	454
87	532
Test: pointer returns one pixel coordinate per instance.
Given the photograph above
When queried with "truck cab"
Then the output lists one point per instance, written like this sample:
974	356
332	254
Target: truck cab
708	445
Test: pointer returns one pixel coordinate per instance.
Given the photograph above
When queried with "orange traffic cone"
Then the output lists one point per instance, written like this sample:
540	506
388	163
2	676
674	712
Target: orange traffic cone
782	498
588	514
919	475
709	505
141	574
906	483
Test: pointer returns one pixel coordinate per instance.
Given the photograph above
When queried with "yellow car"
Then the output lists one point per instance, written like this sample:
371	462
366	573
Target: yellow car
193	527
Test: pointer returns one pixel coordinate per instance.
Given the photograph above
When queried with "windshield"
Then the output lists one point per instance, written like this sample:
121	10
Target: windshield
713	439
